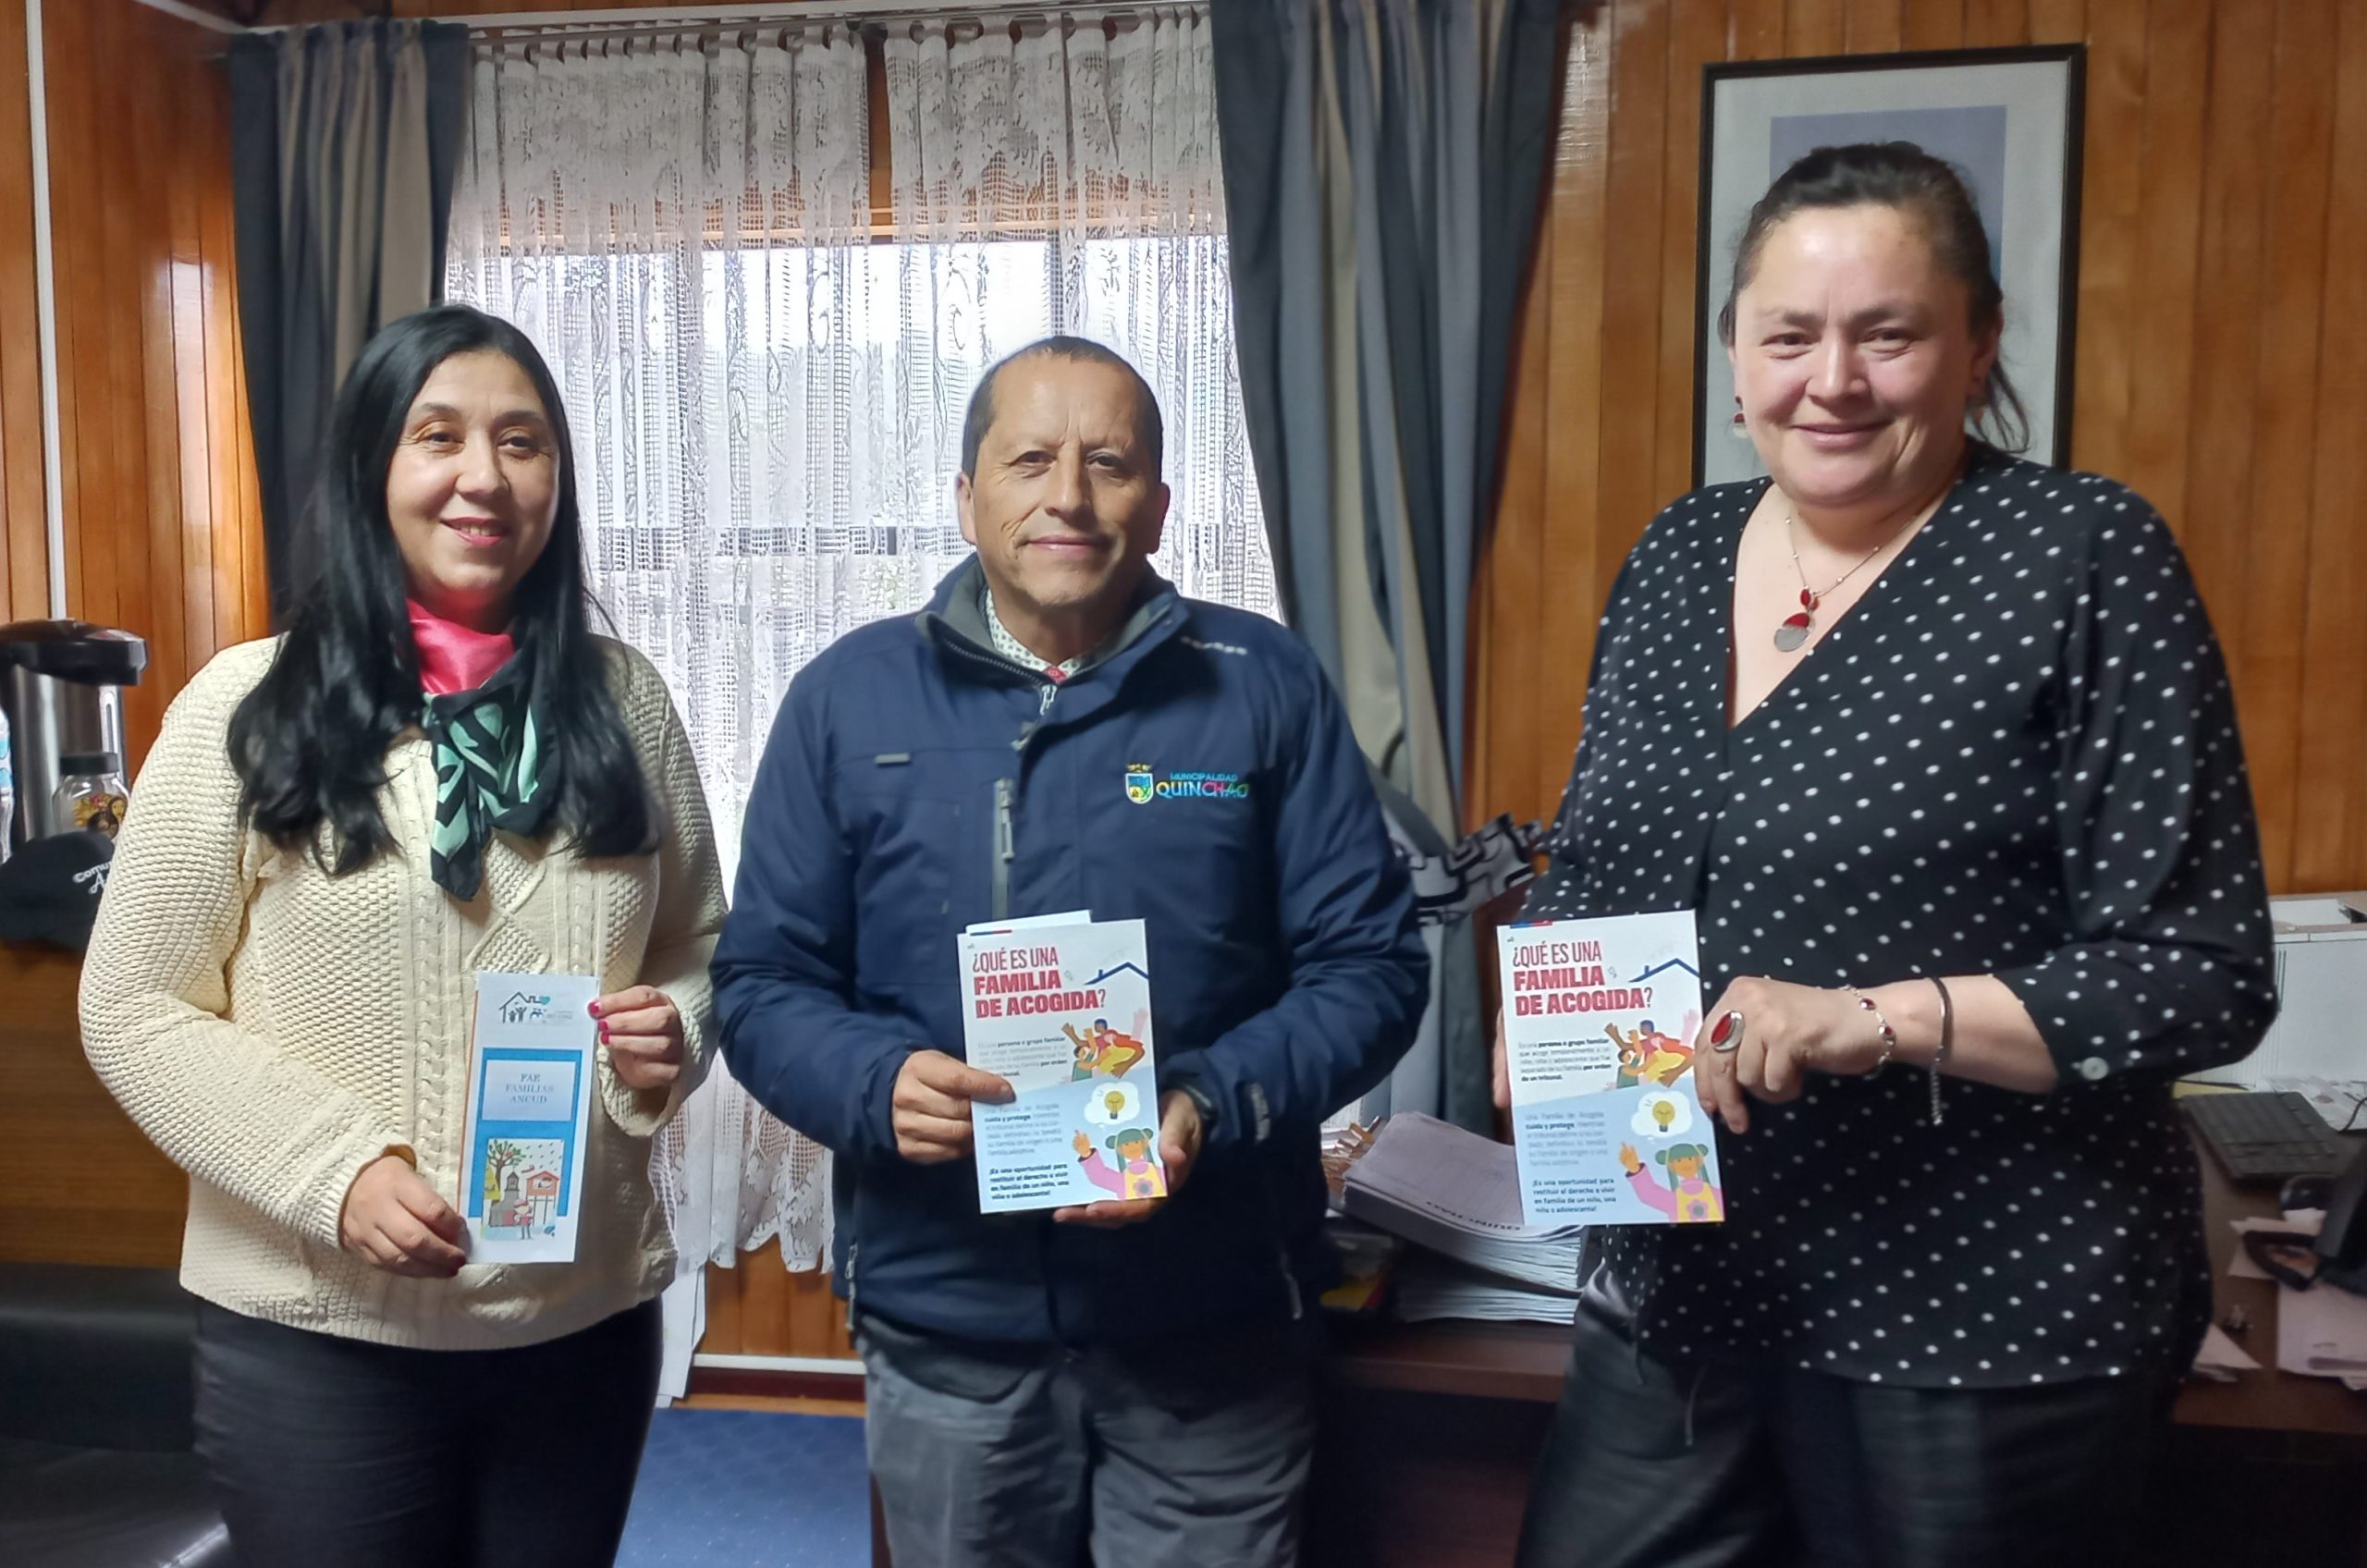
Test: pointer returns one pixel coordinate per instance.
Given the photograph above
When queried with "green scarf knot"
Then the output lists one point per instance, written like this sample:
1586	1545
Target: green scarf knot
490	773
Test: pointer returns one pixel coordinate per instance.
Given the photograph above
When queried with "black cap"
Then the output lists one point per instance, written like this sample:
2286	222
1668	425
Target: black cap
75	650
73	765
49	889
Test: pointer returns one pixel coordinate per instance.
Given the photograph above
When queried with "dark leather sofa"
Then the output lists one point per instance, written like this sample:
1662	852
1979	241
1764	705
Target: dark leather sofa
95	1468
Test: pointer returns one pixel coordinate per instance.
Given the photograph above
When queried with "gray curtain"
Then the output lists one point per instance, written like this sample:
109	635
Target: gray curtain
344	139
1384	164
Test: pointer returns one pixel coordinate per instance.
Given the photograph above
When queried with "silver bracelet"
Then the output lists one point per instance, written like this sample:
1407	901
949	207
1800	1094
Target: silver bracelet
1947	1042
1890	1035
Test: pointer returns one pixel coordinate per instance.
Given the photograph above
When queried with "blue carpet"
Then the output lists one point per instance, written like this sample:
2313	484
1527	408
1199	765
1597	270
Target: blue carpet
747	1488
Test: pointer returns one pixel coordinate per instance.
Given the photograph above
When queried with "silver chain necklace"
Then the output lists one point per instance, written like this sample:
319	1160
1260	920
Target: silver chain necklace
1796	626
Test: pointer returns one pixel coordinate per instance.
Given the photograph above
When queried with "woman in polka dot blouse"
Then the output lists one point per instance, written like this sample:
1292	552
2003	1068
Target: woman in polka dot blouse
1940	746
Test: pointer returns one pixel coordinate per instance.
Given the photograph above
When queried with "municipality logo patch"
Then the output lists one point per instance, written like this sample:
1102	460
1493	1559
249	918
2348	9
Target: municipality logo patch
1144	785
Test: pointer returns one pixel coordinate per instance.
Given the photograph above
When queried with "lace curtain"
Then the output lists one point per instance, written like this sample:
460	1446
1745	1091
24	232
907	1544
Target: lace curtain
767	387
1062	179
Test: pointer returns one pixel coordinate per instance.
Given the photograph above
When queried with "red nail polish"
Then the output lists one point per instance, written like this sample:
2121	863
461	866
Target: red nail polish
604	1033
595	1010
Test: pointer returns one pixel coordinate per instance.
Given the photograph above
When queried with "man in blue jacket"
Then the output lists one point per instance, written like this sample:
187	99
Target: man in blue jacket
1129	1380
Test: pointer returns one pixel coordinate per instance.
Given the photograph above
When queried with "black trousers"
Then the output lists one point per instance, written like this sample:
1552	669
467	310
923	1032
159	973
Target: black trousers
329	1452
1658	1464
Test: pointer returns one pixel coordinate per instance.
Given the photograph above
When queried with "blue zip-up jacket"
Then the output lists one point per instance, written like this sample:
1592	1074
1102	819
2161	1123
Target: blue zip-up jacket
916	782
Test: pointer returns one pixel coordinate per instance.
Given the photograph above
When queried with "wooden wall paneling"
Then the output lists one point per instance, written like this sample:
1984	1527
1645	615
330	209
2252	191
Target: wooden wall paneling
2220	539
1635	178
1813	27
2178	77
760	1308
1697	36
112	523
726	1329
1995	24
1571	579
24	538
2272	522
234	536
192	496
154	592
1874	26
823	1315
79	1183
1758	31
223	526
2115	275
73	194
2330	818
767	1324
255	564
109	526
2059	22
233	491
241	590
1932	24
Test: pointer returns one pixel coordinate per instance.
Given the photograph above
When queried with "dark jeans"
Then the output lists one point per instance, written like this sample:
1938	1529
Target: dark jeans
329	1452
1658	1464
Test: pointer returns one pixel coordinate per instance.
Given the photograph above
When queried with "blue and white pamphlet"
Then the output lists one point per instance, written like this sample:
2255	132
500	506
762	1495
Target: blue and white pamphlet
529	1112
1060	1006
1599	1022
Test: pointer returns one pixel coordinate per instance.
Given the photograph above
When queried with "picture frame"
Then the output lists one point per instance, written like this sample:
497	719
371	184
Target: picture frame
2011	120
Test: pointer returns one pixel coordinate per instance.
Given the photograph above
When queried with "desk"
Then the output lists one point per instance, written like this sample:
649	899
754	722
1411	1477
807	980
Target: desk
79	1183
1428	1432
1427	1436
2267	1400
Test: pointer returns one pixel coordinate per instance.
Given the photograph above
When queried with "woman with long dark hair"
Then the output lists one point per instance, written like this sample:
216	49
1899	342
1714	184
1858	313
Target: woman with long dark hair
437	770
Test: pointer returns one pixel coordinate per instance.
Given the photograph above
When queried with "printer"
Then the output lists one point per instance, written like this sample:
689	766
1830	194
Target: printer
2320	1028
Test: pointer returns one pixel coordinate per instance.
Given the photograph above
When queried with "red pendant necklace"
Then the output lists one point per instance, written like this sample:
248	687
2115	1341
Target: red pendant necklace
1796	626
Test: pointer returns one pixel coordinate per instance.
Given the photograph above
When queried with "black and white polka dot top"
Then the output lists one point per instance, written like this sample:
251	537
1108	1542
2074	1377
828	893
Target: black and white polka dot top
2017	755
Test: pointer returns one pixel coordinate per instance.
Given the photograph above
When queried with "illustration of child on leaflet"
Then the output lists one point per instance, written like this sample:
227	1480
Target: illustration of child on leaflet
1135	1174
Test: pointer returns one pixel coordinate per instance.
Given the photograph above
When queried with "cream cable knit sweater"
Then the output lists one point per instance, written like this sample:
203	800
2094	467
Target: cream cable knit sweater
275	1029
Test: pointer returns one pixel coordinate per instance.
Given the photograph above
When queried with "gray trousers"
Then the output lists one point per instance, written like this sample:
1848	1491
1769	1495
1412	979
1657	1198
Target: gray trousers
1177	1454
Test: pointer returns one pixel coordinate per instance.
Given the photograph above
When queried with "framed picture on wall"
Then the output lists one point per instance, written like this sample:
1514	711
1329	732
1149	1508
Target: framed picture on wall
2009	120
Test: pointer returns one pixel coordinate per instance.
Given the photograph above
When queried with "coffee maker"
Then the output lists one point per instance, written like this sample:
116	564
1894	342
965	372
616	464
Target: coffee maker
63	694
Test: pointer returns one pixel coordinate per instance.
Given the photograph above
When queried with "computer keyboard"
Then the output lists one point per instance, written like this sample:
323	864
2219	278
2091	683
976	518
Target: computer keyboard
2267	1137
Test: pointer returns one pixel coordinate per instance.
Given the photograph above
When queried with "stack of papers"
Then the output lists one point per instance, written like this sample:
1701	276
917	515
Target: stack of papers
1458	1194
2323	1332
1428	1286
